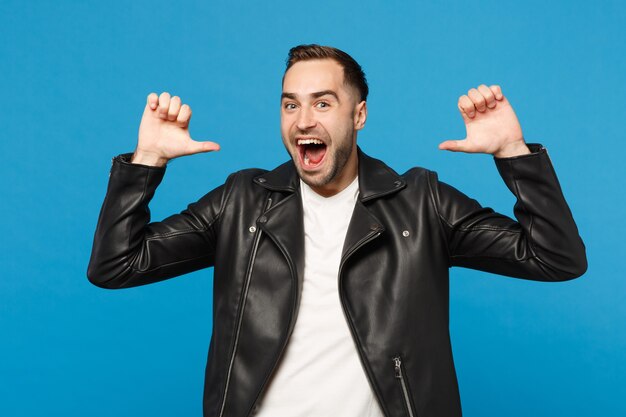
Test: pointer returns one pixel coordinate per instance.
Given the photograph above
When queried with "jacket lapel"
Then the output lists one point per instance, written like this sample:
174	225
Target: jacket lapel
284	225
283	222
363	227
376	179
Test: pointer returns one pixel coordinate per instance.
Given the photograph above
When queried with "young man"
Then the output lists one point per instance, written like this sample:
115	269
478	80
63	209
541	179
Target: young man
331	271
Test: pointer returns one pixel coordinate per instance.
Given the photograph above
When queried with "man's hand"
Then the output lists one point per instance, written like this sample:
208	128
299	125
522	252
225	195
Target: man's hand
491	124
164	132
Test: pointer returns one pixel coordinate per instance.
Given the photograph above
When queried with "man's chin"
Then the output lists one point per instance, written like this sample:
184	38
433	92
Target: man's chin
316	179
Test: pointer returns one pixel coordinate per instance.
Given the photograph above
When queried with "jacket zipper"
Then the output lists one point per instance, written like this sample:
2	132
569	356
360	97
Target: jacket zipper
257	238
397	364
365	240
284	345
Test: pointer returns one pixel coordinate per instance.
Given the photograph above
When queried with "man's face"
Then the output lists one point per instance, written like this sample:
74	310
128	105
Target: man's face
319	118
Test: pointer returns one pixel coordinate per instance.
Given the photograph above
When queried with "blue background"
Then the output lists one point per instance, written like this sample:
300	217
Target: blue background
74	77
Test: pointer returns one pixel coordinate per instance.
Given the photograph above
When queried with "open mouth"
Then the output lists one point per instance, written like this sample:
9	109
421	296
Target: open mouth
311	151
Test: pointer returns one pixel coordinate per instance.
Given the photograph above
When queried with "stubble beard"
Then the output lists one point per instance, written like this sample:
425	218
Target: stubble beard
335	164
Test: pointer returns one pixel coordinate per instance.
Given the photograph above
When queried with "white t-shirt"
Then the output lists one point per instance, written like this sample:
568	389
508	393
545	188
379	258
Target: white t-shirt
320	373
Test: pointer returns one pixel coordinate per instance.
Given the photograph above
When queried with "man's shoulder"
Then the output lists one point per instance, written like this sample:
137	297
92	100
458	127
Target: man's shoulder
243	178
248	173
374	164
417	172
281	178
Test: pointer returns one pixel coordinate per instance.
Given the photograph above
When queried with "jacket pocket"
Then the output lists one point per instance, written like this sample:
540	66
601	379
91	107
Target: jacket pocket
402	382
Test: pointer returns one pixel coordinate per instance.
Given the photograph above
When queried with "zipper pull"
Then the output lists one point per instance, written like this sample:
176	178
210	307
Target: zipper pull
397	364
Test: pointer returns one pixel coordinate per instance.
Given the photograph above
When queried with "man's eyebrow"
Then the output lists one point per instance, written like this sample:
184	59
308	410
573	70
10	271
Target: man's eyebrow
316	94
323	93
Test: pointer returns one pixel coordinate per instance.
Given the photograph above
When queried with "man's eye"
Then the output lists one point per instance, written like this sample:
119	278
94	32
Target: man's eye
290	106
322	104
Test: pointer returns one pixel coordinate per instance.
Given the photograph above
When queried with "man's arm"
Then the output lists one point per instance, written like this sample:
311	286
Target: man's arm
128	250
544	243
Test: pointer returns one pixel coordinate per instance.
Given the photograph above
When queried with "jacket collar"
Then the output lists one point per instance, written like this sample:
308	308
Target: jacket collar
376	179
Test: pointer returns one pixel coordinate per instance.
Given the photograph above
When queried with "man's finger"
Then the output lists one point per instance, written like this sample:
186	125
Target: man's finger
164	105
466	107
184	116
174	108
453	145
198	147
490	98
153	100
477	99
497	91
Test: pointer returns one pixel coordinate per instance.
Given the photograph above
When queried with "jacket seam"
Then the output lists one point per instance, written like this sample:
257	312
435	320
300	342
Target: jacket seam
225	197
491	257
533	256
474	228
127	260
431	176
173	234
143	271
529	239
199	230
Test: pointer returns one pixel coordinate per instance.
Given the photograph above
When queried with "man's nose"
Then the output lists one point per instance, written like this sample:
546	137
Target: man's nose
306	119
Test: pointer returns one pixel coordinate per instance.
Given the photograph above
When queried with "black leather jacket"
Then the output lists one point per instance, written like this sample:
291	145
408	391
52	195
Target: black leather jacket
405	233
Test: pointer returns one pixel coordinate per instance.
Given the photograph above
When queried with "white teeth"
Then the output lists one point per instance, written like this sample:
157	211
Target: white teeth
310	141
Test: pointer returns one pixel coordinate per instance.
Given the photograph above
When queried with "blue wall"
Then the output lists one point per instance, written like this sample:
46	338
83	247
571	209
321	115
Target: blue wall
74	76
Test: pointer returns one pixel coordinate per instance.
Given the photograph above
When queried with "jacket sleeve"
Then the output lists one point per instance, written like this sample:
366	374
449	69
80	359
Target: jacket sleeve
129	251
542	245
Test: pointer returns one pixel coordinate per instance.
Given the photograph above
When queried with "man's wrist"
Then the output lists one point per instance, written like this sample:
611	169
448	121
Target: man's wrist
149	159
512	150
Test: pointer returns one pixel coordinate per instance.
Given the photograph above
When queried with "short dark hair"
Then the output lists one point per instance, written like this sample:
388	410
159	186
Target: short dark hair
352	73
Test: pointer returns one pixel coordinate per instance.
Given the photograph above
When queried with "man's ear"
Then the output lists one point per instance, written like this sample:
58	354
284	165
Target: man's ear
360	115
